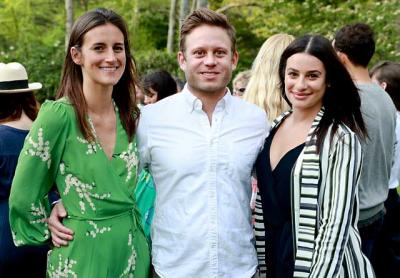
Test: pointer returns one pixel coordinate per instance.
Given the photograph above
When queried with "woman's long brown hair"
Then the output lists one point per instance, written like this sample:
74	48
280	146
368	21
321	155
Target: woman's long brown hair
71	79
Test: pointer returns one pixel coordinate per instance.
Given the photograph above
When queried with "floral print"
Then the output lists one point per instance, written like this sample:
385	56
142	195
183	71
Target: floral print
98	194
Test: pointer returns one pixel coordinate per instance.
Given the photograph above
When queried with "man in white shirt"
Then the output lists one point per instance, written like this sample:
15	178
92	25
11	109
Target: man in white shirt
200	146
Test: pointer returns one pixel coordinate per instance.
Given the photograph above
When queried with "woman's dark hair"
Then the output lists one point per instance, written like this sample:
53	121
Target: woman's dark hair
12	105
389	72
161	82
71	78
341	99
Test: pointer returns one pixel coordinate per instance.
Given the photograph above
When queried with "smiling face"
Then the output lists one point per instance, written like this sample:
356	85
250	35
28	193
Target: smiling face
101	56
208	60
305	83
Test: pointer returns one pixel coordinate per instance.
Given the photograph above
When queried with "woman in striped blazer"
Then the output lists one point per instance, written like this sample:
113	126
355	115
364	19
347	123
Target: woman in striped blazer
309	168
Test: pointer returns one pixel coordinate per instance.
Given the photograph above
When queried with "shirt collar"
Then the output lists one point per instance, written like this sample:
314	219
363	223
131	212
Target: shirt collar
194	103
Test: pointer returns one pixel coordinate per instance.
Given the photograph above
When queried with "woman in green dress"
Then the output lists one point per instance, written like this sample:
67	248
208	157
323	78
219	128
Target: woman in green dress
84	142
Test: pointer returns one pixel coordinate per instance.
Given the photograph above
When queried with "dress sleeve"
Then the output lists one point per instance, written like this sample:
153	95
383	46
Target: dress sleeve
35	174
337	206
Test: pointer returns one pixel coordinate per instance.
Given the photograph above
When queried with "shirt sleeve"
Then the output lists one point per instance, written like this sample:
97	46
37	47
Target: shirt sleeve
395	171
35	174
337	206
143	141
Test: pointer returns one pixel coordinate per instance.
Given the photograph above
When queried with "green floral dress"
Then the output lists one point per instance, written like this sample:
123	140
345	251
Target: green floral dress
98	194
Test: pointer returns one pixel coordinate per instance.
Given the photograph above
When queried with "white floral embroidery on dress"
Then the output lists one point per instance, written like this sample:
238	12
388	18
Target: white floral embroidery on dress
41	216
130	158
93	233
40	148
62	168
63	269
84	192
91	146
17	242
130	269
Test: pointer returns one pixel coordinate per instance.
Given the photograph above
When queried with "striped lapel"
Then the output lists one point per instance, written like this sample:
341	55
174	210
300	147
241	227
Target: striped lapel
305	178
279	119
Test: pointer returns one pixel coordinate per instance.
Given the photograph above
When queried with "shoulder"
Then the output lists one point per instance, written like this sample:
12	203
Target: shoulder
371	88
248	116
163	112
55	113
57	106
247	106
248	110
343	135
164	106
373	95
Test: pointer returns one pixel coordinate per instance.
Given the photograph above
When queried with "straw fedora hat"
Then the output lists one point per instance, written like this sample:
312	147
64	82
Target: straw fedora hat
14	79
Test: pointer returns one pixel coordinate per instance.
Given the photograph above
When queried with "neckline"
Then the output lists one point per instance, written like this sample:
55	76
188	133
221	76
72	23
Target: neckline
270	138
284	156
96	138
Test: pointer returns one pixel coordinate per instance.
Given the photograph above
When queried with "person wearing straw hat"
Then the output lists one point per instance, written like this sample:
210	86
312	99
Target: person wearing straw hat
14	79
18	109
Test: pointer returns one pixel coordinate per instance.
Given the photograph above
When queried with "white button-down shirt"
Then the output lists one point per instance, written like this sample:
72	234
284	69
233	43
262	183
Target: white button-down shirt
202	174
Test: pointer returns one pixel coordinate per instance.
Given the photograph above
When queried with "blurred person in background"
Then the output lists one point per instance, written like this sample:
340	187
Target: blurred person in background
239	83
18	110
158	85
179	84
387	75
355	46
139	95
263	88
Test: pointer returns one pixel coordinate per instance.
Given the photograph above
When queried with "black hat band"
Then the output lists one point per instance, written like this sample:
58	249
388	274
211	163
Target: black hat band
14	85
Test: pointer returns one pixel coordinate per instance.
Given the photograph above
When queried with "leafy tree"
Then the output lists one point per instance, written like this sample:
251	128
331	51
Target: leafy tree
184	10
33	31
148	61
171	26
265	18
69	10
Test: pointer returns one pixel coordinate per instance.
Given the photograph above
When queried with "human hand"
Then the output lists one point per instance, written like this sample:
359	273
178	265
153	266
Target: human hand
60	235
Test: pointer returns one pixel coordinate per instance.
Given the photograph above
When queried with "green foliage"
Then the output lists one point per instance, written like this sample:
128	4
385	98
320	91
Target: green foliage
323	17
33	31
28	37
147	20
148	61
43	64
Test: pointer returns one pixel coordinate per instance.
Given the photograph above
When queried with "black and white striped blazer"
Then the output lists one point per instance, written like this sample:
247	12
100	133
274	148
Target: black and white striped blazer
324	204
